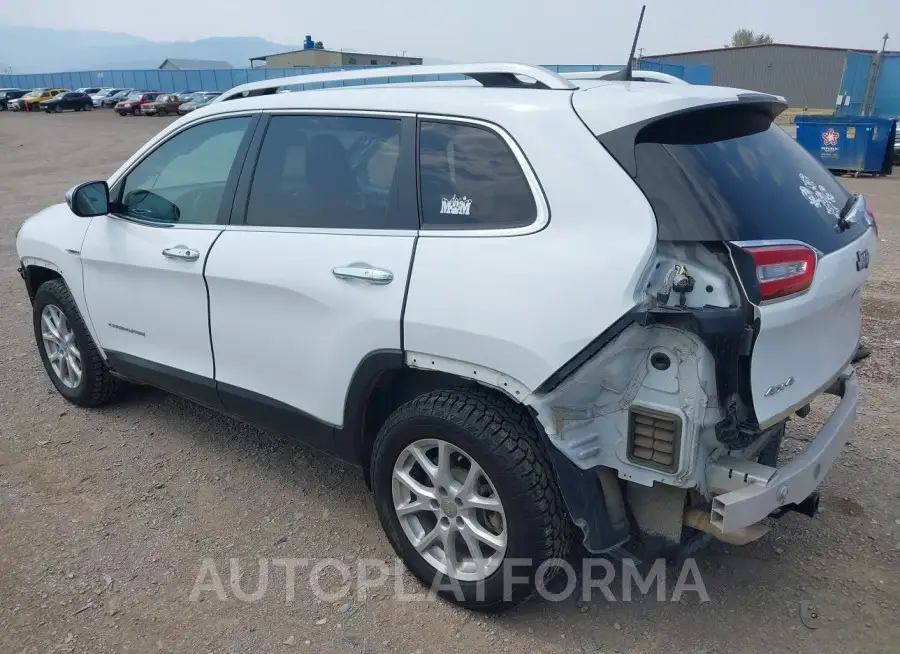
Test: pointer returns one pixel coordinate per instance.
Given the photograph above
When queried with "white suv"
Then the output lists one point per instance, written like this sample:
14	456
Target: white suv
525	310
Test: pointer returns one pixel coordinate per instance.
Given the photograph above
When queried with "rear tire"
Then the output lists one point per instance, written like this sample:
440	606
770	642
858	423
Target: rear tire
136	111
499	437
96	385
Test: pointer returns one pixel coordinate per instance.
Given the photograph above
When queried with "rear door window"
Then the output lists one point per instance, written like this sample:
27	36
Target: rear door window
470	179
328	172
732	174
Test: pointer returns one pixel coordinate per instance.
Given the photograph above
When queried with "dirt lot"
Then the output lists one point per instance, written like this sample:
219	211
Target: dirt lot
106	516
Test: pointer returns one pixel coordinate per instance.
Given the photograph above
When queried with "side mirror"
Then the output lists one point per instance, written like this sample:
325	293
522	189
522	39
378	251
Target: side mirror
89	199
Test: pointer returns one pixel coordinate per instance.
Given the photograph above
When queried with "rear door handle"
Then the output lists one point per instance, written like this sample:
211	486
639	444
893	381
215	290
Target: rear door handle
364	272
182	253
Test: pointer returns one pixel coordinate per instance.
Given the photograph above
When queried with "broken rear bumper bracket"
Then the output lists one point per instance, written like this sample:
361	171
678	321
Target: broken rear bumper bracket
746	492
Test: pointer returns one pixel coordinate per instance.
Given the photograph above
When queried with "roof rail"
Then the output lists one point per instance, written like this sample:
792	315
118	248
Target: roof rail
637	76
490	75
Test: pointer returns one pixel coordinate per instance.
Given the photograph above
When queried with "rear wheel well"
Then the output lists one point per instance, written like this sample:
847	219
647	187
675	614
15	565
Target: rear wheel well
394	388
37	276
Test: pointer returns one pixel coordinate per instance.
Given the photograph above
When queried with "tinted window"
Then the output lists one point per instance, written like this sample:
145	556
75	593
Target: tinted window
326	172
731	174
184	179
471	179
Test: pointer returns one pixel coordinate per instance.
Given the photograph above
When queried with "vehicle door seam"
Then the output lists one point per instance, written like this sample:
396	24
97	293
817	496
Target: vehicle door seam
212	349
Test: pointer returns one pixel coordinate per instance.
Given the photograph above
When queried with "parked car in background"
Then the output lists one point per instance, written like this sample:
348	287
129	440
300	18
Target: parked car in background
164	105
74	100
186	96
134	101
115	98
89	90
34	97
101	95
10	95
199	100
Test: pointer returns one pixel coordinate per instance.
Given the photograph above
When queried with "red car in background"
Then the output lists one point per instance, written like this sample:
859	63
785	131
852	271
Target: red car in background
133	102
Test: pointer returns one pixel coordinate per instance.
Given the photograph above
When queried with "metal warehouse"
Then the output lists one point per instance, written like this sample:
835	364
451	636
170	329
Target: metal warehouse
314	54
807	76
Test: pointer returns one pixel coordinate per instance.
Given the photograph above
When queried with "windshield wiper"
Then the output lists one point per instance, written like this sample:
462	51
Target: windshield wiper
843	223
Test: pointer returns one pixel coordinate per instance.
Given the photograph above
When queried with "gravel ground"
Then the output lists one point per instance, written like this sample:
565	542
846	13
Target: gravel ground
106	516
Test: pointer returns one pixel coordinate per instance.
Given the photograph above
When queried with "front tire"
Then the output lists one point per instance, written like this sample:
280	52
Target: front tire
467	497
136	111
67	350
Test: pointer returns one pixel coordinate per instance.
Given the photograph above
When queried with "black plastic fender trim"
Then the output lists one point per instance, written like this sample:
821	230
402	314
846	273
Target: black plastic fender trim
587	353
586	504
348	439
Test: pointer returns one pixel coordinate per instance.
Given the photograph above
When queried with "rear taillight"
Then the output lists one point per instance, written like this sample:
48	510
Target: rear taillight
872	220
783	270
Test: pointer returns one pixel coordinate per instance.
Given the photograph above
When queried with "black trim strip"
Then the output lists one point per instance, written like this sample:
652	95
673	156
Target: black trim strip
234	176
587	353
238	214
348	439
179	382
276	416
345	443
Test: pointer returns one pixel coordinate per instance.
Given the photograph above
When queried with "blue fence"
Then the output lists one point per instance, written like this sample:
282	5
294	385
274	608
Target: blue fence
856	77
224	79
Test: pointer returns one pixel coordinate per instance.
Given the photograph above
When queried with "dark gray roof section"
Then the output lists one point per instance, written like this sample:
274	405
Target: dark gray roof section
193	64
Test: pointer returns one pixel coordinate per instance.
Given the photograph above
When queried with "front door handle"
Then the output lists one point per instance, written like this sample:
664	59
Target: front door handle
364	272
182	253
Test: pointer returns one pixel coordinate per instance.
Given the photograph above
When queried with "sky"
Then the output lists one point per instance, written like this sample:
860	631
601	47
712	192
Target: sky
531	31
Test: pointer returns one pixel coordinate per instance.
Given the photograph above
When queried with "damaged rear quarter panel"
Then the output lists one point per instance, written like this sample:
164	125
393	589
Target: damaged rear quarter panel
586	417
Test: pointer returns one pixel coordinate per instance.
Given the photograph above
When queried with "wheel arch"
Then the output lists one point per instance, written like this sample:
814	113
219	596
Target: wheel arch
386	379
37	274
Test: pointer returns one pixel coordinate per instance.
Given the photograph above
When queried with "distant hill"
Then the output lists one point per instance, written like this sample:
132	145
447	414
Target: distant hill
39	50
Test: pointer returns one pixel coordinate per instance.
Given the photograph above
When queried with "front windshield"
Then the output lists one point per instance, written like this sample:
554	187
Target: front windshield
34	93
206	98
134	95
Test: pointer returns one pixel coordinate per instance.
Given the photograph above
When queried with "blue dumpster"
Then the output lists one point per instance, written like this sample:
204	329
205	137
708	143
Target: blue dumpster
859	144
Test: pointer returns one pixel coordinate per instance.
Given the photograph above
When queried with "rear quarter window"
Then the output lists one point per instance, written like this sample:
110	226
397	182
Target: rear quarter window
470	179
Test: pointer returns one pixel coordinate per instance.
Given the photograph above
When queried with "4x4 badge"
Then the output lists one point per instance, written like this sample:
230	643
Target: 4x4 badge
777	388
862	259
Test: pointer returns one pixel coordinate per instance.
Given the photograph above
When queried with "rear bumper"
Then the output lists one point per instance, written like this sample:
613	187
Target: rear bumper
750	491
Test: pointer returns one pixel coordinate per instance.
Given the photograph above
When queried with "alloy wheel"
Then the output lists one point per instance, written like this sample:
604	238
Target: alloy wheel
60	346
449	509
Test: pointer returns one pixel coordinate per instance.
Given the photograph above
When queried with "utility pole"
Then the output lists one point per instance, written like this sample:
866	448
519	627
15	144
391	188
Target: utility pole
872	80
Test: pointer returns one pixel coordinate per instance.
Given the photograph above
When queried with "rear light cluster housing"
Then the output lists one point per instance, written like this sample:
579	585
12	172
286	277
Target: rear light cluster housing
871	217
783	270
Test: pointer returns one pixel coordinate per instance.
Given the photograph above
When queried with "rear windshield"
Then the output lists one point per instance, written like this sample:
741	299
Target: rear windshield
731	174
